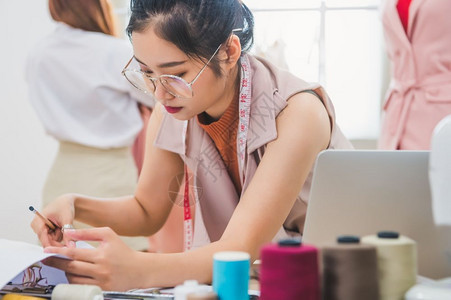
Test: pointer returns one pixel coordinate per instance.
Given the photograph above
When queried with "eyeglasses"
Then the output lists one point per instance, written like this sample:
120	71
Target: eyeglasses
174	85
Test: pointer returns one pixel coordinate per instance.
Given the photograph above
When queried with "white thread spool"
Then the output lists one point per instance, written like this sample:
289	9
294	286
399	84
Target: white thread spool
77	292
181	292
397	263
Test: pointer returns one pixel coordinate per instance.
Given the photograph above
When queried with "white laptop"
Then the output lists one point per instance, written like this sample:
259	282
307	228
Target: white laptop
361	192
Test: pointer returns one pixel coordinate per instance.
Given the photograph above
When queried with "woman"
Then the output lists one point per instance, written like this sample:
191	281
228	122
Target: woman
84	103
418	38
248	132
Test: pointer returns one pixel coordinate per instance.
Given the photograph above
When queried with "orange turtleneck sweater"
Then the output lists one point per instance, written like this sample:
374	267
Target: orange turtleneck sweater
223	132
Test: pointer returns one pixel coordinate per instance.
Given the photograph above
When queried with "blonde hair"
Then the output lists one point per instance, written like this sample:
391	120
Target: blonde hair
89	15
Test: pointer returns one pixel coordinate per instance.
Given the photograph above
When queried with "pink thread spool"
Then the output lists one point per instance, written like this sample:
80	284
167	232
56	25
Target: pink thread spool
289	271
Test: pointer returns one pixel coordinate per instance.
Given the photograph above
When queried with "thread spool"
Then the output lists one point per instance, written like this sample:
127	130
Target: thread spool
397	263
77	292
289	271
202	296
189	286
350	270
231	275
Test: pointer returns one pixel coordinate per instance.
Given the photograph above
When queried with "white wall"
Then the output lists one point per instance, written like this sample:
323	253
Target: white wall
26	153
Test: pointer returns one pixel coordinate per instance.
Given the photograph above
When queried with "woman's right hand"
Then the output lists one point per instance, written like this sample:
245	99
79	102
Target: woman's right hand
60	212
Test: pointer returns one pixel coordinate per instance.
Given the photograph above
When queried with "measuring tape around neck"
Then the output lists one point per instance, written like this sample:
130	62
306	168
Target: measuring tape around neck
243	126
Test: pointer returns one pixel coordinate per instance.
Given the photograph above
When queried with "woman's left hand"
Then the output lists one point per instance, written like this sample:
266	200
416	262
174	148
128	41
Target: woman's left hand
109	266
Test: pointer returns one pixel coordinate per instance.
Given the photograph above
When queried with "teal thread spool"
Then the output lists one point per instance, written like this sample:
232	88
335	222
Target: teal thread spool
231	275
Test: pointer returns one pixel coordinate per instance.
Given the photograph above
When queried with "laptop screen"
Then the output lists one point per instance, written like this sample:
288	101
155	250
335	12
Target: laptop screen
361	192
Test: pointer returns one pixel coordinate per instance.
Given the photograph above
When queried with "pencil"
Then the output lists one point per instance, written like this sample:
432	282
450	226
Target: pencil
46	221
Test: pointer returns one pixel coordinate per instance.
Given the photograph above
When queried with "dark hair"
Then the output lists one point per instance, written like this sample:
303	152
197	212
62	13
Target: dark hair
196	27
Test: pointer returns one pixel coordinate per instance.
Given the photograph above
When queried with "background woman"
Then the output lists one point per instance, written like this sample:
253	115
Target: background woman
83	102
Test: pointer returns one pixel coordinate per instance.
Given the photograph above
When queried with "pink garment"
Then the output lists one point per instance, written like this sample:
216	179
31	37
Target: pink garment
217	196
403	12
420	92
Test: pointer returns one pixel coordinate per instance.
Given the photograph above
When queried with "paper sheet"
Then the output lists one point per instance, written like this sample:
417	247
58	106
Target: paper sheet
16	256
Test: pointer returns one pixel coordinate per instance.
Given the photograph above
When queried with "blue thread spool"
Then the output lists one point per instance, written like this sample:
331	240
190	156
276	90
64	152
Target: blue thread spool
231	275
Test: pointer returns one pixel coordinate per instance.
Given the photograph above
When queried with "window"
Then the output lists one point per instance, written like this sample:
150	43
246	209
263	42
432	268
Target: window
335	42
121	9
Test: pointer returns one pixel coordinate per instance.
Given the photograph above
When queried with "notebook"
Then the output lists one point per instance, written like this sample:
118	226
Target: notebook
361	192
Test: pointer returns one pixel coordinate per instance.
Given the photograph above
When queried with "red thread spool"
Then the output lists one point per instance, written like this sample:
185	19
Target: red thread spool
289	271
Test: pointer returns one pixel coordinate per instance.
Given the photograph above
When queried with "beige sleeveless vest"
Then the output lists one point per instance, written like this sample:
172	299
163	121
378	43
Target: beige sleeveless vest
271	88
